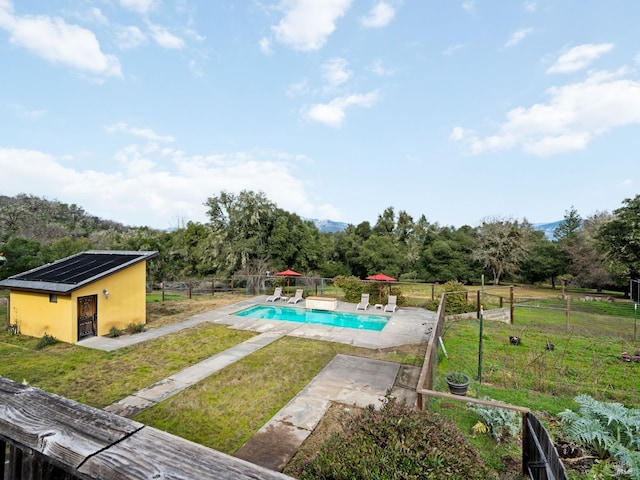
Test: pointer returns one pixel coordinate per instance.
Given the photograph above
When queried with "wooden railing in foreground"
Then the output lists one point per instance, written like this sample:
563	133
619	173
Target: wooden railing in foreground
540	460
51	437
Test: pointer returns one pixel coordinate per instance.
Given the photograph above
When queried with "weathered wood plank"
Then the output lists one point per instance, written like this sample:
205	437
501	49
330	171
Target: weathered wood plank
152	453
94	444
67	432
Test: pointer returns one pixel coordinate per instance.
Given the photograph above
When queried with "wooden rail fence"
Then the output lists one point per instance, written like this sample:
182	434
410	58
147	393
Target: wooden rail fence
540	459
51	437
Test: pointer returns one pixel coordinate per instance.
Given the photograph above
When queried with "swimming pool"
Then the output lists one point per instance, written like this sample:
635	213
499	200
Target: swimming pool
323	317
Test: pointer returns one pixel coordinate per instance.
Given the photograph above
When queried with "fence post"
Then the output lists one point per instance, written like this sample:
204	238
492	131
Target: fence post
511	305
568	312
162	287
190	287
525	443
433	291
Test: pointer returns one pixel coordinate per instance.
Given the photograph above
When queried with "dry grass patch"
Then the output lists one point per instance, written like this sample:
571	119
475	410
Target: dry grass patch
176	310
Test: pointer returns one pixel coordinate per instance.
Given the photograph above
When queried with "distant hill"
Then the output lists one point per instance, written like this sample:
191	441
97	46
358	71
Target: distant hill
547	228
329	226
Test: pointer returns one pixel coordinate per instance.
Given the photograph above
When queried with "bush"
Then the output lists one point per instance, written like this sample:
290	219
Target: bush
135	328
396	442
499	421
115	332
456	299
46	340
352	287
607	429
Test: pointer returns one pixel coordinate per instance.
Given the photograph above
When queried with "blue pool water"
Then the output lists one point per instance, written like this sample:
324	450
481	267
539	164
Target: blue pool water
323	317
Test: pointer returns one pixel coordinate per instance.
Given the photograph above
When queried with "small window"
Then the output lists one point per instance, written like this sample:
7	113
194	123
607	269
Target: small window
53	298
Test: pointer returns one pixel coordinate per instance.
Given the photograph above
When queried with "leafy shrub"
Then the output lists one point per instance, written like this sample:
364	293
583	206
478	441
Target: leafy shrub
396	442
46	340
115	332
499	421
352	287
608	429
135	328
456	301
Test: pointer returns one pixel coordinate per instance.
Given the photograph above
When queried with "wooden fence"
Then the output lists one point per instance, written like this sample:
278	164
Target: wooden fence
540	459
51	437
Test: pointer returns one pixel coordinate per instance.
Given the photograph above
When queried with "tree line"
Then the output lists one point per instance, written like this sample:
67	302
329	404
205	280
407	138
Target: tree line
246	233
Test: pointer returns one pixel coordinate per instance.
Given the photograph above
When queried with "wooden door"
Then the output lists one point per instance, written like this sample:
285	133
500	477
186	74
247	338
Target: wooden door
87	316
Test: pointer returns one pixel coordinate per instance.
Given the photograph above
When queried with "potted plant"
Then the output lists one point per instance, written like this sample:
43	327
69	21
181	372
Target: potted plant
458	383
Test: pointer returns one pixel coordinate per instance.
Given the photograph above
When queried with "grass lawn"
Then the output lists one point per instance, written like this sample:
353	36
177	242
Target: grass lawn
224	410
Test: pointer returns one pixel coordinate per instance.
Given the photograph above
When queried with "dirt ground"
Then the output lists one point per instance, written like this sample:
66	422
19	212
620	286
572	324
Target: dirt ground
169	312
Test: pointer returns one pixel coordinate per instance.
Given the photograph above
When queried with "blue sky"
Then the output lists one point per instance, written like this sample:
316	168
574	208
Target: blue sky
139	110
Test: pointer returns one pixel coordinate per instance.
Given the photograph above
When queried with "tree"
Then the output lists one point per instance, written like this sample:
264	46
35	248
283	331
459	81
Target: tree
547	261
620	237
501	246
239	226
567	230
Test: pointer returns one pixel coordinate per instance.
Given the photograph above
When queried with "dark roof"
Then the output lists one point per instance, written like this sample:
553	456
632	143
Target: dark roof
68	274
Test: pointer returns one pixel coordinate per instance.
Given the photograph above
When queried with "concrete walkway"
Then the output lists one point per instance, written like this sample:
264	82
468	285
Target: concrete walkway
159	391
352	381
346	379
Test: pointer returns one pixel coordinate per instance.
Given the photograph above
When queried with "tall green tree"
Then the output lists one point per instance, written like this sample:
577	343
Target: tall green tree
620	237
567	230
501	246
239	226
546	261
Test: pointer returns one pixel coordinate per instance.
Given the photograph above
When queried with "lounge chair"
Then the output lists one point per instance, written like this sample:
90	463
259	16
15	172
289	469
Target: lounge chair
297	297
364	302
391	306
277	295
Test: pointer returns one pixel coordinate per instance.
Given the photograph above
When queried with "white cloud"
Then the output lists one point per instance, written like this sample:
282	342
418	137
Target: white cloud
379	69
152	187
334	112
96	15
579	57
469	6
518	36
379	16
58	42
335	71
574	115
298	88
452	49
166	39
130	37
307	24
146	133
27	113
265	46
139	6
530	6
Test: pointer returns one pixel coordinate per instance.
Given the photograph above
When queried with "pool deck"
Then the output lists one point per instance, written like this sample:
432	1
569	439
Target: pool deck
405	327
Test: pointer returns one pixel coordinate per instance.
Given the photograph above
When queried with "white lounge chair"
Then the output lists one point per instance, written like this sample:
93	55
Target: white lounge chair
297	297
277	295
364	302
391	306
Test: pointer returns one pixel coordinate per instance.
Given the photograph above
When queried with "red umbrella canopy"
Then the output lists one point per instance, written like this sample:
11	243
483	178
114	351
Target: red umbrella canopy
381	277
288	273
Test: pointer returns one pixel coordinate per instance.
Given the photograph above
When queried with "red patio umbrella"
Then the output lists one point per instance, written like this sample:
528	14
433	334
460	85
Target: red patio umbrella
381	277
288	273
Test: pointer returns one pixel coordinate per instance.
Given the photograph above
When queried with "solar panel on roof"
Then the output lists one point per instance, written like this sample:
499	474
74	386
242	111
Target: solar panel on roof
77	269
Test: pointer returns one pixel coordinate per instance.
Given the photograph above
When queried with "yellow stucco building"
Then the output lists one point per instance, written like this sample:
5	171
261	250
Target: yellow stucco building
80	296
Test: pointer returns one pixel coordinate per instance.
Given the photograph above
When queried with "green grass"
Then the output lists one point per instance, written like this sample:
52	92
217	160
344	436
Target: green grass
226	409
578	364
99	378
